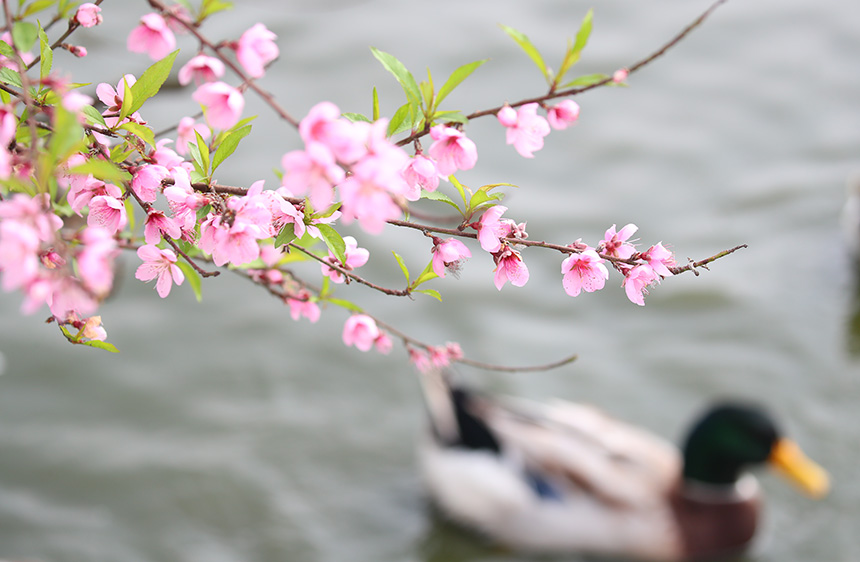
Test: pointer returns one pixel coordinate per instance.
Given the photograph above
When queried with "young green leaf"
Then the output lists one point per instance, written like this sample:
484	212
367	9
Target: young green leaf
439	196
573	53
100	345
193	278
529	48
127	100
401	120
129	211
93	116
149	83
587	80
456	78
399	71
355	117
334	241
203	150
228	145
38	6
449	117
142	132
103	170
426	275
67	136
345	304
286	235
375	111
10	77
24	35
402	265
210	7
461	188
46	54
432	292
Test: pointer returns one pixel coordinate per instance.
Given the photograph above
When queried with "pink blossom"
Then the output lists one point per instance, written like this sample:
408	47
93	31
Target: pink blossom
158	224
77	50
92	329
420	173
563	114
160	265
182	199
525	128
312	171
222	104
74	101
176	16
146	182
620	75
107	212
81	192
95	261
113	97
66	298
8	124
19	254
448	254
583	271
152	37
491	229
636	282
303	305
510	267
88	15
615	244
361	331
256	49
455	352
660	259
451	150
420	359
201	69
283	212
383	343
34	212
355	257
235	241
165	156
323	124
186	130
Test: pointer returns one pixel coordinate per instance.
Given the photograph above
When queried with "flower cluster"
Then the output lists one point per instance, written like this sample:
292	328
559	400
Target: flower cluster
526	129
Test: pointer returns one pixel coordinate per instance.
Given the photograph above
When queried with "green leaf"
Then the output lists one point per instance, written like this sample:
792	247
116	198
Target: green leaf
203	151
334	241
93	116
103	170
481	197
527	46
402	265
129	211
461	188
24	35
426	275
432	292
439	196
375	109
11	77
456	78
149	83
46	54
142	132
100	345
286	235
403	76
193	278
401	120
345	304
67	136
586	80
573	53
38	6
228	145
449	117
127	100
210	7
356	117
6	50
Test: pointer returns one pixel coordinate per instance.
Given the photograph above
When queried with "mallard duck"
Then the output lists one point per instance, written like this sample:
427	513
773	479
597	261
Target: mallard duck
564	478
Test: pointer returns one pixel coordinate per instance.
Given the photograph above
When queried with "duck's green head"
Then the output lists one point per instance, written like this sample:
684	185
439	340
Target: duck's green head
731	437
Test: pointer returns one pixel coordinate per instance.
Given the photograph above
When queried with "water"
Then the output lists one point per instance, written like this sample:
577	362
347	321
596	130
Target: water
225	431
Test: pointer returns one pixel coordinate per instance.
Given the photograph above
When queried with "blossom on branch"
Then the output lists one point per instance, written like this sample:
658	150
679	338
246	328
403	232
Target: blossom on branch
361	331
420	173
201	69
452	150
636	281
447	255
615	244
222	104
88	15
491	229
255	49
160	265
563	114
510	267
152	37
660	259
583	271
107	212
355	257
525	128
146	181
312	172
345	140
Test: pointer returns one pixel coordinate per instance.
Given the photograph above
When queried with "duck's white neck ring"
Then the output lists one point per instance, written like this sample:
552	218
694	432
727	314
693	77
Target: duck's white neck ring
746	488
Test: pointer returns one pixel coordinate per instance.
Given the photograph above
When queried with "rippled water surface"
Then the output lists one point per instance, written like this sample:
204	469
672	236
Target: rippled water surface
224	431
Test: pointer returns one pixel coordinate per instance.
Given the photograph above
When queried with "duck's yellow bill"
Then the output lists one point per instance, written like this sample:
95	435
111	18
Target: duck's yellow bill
790	461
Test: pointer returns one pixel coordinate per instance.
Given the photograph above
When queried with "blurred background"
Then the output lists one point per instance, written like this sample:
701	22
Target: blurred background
224	431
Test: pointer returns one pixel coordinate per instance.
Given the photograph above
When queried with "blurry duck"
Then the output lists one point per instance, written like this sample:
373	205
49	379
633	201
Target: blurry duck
564	477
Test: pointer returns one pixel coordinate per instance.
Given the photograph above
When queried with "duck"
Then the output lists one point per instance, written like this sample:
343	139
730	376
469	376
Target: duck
565	478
